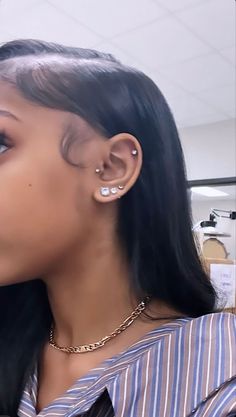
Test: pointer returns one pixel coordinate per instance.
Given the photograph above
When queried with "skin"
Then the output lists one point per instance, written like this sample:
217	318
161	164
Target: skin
56	225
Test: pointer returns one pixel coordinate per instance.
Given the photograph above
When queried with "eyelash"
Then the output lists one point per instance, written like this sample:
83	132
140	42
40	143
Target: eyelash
3	141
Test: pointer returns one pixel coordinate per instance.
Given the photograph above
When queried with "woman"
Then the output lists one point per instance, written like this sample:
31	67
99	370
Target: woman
105	307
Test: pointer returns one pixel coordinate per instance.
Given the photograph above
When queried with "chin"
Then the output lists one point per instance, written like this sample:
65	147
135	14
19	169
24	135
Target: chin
11	279
6	282
15	270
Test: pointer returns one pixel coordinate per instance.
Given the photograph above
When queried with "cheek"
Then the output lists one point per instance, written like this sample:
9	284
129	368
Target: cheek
38	223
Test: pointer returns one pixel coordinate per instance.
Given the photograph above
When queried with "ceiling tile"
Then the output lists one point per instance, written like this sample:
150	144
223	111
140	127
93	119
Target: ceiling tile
167	87
202	119
170	40
174	5
117	53
46	23
109	18
230	54
162	42
222	98
9	8
5	37
201	73
213	21
185	106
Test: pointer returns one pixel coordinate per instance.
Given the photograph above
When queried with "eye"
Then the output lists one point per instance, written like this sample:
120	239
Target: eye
3	143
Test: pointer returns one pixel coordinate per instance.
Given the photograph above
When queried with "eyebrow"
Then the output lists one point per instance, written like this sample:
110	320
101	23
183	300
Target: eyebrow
6	113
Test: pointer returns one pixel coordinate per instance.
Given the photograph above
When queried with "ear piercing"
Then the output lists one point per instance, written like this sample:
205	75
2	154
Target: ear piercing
134	152
106	191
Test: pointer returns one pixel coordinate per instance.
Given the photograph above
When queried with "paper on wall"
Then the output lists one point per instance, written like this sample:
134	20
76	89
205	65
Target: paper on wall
223	277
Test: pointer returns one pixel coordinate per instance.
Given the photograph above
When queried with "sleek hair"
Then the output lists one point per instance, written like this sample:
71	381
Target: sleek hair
155	220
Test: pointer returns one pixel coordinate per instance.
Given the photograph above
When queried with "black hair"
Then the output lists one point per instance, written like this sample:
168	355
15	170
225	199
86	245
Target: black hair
155	220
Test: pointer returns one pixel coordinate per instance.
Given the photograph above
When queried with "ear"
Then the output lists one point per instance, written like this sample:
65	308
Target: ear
122	164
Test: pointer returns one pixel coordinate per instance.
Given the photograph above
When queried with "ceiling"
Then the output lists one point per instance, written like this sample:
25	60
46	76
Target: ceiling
186	46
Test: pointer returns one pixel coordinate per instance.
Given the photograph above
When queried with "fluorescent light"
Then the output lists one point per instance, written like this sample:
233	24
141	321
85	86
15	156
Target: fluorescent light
208	191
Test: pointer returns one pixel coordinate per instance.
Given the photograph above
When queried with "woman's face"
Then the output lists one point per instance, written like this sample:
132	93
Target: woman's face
46	209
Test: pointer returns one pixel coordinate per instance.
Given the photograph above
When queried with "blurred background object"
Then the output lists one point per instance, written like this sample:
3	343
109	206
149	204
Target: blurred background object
215	231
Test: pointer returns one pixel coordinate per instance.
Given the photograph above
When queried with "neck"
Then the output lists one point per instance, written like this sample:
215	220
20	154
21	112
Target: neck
90	298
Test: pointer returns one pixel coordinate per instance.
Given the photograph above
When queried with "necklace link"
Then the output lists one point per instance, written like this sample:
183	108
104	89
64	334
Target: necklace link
93	346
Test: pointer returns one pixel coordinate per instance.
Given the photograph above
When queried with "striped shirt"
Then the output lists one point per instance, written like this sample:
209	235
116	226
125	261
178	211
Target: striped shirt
181	369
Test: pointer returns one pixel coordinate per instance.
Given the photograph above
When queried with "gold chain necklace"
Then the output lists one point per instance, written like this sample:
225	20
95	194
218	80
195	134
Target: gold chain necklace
93	346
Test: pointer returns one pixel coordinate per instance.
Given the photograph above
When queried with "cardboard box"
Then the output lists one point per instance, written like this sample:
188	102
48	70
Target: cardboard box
207	262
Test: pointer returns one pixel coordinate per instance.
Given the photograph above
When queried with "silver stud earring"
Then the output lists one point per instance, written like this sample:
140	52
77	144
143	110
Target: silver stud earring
97	170
105	191
114	190
134	152
121	187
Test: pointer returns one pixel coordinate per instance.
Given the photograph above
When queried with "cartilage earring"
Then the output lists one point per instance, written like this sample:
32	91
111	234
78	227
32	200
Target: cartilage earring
134	152
121	187
105	191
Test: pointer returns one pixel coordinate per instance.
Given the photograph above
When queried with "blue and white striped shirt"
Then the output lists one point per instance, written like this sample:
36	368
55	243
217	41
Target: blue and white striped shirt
181	369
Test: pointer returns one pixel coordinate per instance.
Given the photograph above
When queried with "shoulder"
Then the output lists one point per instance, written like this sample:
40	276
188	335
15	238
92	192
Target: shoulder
200	356
210	345
208	350
178	368
221	403
219	319
215	335
213	327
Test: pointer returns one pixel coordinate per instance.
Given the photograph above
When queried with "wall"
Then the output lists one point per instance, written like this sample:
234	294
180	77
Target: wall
210	150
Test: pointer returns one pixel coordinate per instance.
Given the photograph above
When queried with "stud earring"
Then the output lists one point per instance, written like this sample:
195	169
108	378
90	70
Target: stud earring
121	187
97	170
114	190
134	152
105	191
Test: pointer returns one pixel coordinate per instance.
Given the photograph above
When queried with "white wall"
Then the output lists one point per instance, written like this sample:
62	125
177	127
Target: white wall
210	150
201	211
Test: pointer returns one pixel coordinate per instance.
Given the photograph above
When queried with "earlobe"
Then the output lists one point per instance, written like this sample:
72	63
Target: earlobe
108	194
120	169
